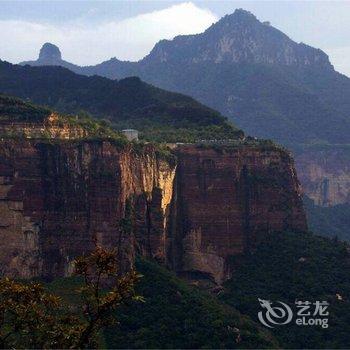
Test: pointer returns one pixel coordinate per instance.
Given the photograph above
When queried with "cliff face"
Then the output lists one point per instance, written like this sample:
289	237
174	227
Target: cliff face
57	198
325	174
224	200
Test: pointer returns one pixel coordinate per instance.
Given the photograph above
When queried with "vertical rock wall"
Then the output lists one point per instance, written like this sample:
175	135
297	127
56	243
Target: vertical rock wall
57	198
325	174
224	200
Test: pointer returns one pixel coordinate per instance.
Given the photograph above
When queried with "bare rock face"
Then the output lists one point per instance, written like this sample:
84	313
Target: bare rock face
56	198
49	52
224	200
325	174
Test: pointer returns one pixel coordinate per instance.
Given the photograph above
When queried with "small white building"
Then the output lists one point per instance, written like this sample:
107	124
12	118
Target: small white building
131	134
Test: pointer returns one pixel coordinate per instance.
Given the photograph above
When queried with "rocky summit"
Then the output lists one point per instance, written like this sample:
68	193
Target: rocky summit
49	53
239	38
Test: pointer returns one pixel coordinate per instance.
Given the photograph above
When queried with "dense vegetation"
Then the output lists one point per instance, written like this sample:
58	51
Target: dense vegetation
14	109
129	103
287	104
176	315
329	221
297	266
173	315
286	267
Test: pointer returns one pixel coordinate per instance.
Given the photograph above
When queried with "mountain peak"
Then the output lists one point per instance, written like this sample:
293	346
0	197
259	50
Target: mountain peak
242	14
239	38
50	52
240	17
50	55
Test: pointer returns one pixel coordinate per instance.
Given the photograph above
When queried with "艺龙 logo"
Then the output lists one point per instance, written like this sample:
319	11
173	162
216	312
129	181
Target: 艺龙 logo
307	313
274	315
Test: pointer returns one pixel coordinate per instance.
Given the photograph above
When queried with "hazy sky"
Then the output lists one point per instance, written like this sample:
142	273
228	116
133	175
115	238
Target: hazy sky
89	32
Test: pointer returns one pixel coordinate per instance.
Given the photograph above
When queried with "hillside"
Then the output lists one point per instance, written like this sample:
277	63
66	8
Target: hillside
178	316
286	266
128	103
291	266
173	315
266	101
15	109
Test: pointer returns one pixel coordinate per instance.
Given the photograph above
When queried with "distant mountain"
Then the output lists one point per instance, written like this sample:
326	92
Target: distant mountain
50	55
269	85
238	38
159	114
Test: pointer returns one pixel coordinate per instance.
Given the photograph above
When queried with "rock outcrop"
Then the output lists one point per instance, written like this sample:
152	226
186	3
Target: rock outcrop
50	55
50	52
224	199
51	127
325	174
56	198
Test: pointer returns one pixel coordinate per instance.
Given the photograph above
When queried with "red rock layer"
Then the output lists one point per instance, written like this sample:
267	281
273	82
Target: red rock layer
225	199
57	198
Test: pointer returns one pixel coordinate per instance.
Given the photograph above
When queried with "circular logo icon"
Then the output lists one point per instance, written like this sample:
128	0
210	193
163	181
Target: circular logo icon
274	315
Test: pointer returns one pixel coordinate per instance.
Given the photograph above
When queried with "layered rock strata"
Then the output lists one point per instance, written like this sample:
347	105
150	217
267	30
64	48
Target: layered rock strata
57	198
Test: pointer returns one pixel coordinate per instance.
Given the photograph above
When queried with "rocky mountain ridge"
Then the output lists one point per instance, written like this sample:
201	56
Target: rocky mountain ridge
238	38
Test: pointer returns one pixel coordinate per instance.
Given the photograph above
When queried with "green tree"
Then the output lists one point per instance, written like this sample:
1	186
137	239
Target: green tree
30	317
